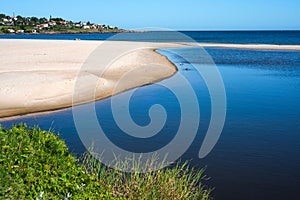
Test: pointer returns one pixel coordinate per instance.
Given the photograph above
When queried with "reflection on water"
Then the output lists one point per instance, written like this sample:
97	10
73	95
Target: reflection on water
257	156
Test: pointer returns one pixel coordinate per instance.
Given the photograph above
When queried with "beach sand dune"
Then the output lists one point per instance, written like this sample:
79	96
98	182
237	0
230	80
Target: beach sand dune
39	75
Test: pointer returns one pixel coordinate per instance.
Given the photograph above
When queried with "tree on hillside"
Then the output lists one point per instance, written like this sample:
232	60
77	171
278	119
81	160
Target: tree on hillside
20	20
34	21
57	19
43	20
27	20
19	17
2	16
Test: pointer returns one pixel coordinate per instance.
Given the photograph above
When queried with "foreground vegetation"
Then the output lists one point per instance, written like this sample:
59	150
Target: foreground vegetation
36	164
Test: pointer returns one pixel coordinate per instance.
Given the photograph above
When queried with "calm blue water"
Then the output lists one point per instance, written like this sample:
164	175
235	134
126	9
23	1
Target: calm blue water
237	37
258	153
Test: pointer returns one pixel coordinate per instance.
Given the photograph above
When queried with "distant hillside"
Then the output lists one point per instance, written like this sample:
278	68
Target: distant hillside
20	25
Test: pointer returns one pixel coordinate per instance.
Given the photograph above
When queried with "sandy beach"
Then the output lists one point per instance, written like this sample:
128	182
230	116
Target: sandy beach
39	75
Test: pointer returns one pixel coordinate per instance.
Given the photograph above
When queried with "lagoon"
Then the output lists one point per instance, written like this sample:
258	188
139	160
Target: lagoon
257	155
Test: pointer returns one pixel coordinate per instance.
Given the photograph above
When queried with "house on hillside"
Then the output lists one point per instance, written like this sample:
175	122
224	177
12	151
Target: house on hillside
13	18
63	22
94	26
42	26
52	23
11	30
20	31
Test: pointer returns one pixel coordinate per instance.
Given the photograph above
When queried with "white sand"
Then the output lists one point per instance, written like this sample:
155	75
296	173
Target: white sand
39	75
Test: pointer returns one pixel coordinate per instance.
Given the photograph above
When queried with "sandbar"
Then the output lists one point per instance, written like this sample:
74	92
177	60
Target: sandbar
40	75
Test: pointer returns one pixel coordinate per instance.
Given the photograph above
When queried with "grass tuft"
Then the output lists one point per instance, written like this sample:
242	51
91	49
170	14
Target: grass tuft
36	164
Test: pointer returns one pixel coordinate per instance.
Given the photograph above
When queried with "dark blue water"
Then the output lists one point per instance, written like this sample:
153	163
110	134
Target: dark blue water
236	37
258	153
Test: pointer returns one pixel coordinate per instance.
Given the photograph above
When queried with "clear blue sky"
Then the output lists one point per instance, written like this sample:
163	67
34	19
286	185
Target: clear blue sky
172	14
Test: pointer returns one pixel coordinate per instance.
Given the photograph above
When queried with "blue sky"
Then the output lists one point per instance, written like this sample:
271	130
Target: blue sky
172	14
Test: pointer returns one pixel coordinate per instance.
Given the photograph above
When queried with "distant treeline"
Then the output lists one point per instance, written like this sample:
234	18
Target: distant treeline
20	24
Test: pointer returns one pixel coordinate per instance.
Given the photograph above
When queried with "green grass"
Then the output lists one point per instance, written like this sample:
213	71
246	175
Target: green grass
34	161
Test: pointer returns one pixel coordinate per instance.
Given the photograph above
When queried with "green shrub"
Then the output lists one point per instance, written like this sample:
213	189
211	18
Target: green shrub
35	162
5	30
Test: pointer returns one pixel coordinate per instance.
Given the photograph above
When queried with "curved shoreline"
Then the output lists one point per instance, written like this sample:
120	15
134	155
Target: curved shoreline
38	76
